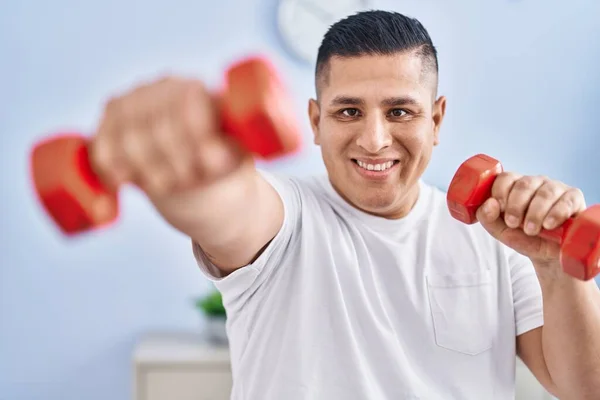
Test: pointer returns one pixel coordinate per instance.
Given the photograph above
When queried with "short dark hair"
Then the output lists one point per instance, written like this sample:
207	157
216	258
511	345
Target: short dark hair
376	32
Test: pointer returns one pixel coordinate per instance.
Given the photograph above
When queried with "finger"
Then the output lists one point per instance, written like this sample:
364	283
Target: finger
188	124
569	204
149	169
176	149
107	143
192	118
152	146
102	160
489	217
218	156
106	155
543	200
502	187
195	112
519	198
489	211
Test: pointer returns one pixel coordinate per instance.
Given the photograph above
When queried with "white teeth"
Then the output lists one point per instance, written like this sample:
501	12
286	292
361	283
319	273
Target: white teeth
375	167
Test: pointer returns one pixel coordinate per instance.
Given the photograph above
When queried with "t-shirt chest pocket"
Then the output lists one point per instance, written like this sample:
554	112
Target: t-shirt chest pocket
461	310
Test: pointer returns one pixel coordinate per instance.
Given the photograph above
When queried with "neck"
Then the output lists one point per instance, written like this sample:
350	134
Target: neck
399	209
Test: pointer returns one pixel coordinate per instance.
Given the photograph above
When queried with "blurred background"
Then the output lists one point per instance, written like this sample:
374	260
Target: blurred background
522	85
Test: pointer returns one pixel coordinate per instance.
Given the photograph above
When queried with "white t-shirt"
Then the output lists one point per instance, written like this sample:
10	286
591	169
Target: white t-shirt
343	305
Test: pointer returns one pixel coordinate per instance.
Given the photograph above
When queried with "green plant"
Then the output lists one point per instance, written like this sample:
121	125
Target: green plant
211	304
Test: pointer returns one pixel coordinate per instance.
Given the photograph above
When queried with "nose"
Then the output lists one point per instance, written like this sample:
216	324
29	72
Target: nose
375	135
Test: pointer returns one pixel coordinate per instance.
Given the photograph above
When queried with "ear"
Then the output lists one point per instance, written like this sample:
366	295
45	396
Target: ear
314	115
439	110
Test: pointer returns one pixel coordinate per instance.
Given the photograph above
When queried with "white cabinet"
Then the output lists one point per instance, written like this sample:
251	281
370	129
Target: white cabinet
181	367
185	367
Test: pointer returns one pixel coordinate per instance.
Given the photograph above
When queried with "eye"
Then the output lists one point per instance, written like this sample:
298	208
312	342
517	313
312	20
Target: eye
349	112
398	112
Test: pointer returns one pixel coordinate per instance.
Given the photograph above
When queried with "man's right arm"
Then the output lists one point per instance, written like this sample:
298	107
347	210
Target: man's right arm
231	220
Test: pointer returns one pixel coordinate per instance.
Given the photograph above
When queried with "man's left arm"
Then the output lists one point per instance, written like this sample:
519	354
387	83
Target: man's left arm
568	345
563	354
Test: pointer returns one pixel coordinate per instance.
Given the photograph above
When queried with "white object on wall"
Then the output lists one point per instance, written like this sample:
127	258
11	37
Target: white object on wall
302	23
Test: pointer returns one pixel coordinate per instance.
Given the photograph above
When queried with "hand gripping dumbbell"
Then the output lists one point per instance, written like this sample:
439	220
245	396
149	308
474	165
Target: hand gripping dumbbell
579	236
254	109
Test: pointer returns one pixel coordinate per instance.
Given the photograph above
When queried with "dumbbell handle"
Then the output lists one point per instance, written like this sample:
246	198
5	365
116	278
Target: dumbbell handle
555	235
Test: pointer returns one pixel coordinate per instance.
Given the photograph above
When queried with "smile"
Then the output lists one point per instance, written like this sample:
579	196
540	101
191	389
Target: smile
375	170
375	167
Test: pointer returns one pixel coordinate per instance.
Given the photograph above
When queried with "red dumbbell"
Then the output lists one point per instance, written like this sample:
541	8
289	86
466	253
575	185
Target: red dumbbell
254	109
579	237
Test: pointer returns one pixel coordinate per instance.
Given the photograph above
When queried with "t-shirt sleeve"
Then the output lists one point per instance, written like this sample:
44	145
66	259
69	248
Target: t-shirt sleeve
239	285
527	293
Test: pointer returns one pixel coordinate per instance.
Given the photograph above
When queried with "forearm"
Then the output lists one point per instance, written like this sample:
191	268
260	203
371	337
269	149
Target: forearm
231	219
571	333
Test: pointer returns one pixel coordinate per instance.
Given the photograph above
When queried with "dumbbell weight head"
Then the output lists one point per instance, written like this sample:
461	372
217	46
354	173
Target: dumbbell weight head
66	186
256	110
580	249
471	186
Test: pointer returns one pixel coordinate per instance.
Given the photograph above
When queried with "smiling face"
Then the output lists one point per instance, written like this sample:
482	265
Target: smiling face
376	121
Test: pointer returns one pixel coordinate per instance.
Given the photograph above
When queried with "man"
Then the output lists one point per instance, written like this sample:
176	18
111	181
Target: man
359	284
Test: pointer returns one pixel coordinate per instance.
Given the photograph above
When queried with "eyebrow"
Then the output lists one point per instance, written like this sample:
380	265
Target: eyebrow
387	102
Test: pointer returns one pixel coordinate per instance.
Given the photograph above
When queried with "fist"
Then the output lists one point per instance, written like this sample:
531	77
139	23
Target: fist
163	136
521	206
